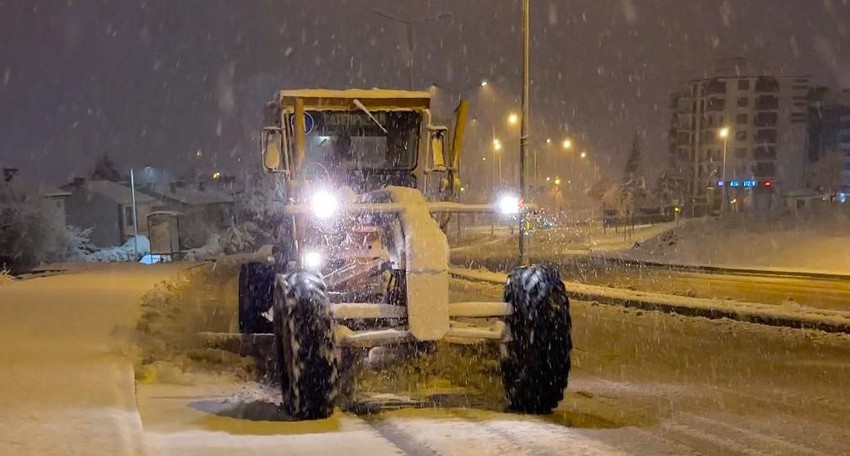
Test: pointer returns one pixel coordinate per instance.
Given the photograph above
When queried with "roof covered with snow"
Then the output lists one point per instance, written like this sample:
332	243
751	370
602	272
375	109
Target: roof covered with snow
190	195
354	93
114	191
342	100
33	188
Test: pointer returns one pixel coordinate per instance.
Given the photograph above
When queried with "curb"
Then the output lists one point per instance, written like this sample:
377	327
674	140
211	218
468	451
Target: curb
765	314
727	270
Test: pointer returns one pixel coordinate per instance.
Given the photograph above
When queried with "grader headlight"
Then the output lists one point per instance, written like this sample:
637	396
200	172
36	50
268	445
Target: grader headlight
312	260
324	204
509	205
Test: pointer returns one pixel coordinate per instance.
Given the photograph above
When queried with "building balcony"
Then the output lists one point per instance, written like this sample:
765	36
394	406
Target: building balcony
764	170
767	84
767	103
766	119
714	87
766	136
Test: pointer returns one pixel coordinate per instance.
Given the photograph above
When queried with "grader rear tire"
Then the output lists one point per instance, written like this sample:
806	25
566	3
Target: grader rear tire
536	359
304	338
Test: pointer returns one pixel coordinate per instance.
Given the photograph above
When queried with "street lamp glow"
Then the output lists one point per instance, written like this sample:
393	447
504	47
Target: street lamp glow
513	118
567	144
557	181
584	155
723	133
484	83
548	140
497	145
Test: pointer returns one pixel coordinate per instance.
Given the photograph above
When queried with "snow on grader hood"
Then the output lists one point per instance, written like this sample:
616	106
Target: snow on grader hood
361	260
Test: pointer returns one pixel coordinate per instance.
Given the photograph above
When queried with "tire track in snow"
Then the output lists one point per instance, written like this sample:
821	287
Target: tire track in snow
702	441
775	445
442	437
398	437
485	433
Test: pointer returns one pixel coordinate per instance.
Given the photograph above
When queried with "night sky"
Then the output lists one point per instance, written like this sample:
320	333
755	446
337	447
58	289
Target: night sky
152	82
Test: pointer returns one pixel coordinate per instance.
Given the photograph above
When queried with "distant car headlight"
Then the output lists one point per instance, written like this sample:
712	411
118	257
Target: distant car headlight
312	260
324	204
509	205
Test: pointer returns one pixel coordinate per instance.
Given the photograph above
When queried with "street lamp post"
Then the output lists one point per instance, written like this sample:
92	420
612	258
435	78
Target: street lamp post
410	30
723	133
524	134
497	155
567	144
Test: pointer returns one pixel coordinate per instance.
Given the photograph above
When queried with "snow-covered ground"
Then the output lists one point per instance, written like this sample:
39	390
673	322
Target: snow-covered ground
807	242
479	247
814	242
66	376
642	382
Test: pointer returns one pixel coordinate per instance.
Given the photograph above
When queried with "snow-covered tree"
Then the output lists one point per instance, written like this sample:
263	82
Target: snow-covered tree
29	233
104	169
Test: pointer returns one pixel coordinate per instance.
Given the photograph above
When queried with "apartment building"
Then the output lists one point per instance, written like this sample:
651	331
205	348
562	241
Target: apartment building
765	116
829	133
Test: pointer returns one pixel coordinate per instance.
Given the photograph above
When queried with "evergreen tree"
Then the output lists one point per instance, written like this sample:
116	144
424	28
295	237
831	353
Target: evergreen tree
104	169
633	163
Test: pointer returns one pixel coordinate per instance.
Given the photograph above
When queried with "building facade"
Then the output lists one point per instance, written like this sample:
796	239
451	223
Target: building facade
765	149
107	208
829	141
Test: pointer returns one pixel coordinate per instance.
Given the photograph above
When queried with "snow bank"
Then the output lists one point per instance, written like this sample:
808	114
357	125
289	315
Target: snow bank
129	251
799	243
172	317
791	315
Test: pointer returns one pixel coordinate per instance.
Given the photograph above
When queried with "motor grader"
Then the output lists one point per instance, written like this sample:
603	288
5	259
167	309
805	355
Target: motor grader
361	259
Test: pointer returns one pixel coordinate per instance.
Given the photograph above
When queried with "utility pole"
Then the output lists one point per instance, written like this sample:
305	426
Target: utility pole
135	221
524	134
723	133
410	37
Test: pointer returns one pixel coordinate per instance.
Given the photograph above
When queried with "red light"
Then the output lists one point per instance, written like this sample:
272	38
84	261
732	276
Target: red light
768	183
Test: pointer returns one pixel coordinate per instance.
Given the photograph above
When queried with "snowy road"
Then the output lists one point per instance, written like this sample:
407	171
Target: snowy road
66	382
643	383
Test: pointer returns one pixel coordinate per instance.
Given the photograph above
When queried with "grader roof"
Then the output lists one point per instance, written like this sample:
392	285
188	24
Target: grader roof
342	100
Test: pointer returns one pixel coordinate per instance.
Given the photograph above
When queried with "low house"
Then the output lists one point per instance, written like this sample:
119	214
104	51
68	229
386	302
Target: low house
53	198
204	208
107	208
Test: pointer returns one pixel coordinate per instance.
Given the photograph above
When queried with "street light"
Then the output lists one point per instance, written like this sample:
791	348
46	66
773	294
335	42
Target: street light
723	134
435	86
584	154
513	118
497	146
567	144
410	26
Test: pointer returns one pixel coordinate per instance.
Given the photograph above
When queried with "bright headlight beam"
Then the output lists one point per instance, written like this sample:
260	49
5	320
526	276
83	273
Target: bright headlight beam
509	205
324	204
311	260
